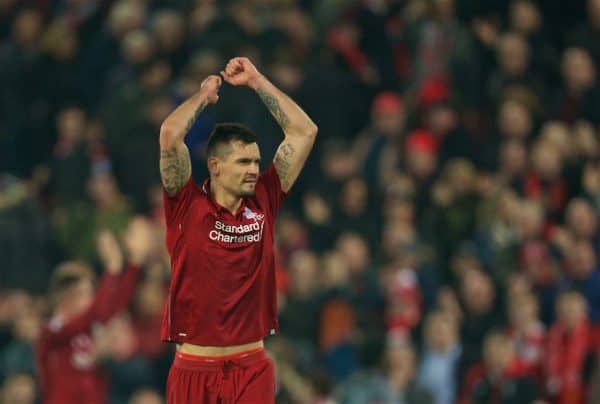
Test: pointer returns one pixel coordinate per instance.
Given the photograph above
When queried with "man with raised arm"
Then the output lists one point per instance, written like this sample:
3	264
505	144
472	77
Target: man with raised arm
222	298
68	364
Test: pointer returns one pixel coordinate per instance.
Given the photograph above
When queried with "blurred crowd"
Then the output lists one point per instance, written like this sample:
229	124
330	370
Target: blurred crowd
442	244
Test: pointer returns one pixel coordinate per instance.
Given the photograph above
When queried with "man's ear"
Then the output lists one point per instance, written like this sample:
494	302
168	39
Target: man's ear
214	165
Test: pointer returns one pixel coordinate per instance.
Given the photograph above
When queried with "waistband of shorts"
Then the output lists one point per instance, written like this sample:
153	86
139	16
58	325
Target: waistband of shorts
196	362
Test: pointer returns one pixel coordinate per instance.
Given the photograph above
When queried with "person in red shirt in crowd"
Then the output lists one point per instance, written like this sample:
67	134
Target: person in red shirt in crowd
527	333
501	377
568	350
65	353
403	298
220	236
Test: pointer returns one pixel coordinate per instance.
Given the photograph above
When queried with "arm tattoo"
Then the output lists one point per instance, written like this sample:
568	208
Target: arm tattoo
175	168
273	106
191	121
283	164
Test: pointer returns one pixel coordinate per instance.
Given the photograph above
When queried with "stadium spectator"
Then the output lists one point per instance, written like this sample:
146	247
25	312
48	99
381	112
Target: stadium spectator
527	333
440	356
396	382
568	350
500	377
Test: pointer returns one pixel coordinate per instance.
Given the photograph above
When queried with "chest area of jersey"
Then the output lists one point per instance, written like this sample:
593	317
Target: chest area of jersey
82	352
238	232
218	230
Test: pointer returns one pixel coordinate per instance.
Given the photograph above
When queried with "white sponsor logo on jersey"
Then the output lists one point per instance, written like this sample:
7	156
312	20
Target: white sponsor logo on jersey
242	233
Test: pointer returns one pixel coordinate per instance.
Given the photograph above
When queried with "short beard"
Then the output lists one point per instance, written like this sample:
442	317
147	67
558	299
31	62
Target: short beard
242	193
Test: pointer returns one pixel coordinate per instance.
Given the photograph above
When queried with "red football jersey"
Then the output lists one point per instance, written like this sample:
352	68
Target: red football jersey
530	347
222	288
65	350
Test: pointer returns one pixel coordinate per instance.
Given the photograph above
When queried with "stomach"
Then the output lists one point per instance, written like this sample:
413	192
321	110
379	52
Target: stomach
217	351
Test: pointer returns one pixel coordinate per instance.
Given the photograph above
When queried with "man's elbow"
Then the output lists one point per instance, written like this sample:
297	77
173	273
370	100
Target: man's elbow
312	130
167	136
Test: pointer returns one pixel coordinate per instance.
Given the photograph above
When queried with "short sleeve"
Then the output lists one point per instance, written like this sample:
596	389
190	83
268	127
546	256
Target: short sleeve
269	179
176	205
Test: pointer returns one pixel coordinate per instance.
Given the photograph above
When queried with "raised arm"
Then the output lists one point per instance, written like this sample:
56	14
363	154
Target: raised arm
175	163
299	130
139	244
116	287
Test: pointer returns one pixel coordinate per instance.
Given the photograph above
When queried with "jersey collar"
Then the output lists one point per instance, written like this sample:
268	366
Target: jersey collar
221	210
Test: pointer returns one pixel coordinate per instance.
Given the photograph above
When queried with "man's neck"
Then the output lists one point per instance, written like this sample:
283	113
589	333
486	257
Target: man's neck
443	348
226	199
61	313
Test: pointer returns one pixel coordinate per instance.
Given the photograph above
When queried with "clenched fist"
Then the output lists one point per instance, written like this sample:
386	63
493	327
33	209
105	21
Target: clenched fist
241	72
210	86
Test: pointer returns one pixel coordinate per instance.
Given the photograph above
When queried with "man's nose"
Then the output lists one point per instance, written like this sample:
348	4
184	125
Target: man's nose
254	169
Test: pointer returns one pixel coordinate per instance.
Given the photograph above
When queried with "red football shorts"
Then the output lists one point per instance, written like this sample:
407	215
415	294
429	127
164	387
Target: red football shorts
246	378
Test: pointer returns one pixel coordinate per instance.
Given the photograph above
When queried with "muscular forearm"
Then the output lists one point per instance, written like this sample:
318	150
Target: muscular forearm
292	119
300	131
175	162
180	121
